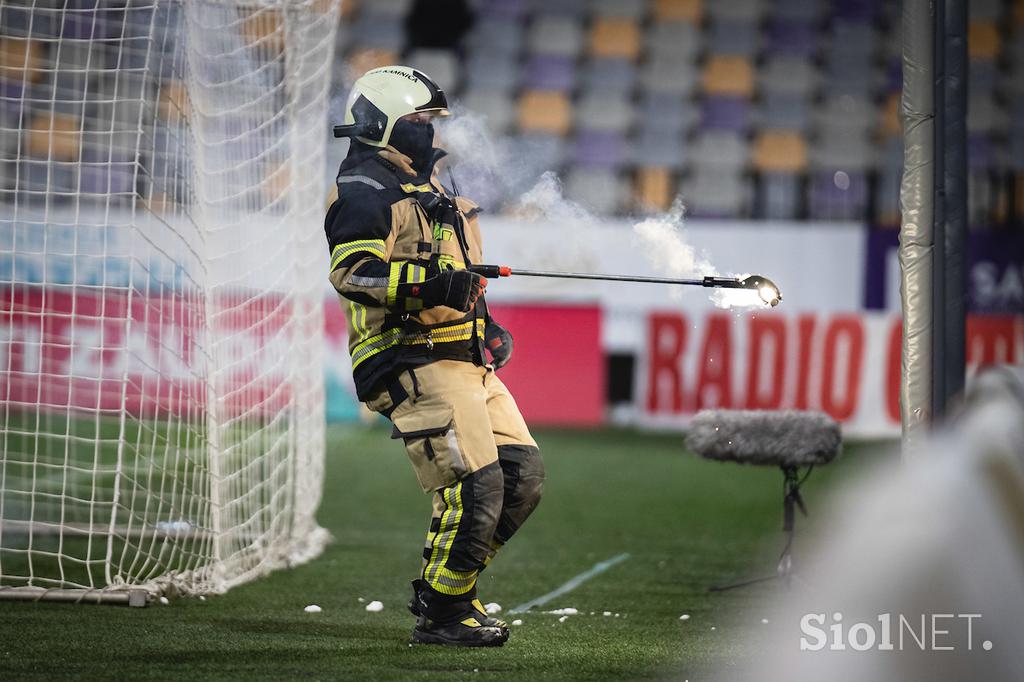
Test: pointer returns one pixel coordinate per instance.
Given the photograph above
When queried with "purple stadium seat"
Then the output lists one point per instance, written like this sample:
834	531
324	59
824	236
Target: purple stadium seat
792	37
725	113
838	195
99	174
508	9
981	154
550	73
857	10
599	149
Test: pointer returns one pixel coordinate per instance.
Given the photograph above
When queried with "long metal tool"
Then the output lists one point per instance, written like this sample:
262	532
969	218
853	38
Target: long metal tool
765	288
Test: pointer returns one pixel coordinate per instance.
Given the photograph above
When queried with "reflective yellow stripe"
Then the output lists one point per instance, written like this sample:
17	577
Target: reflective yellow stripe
374	345
454	582
394	280
357	314
393	337
342	251
452	497
409	187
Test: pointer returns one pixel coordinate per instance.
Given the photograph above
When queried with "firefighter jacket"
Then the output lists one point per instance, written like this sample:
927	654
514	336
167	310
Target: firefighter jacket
391	227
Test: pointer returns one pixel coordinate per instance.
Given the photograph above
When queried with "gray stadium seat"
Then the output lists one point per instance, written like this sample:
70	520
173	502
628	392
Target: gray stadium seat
626	9
985	9
599	111
601	191
787	75
440	64
606	75
666	114
668	75
716	193
984	115
674	40
391	8
495	72
745	10
845	114
720	150
497	108
491	35
783	111
732	36
666	150
560	36
852	152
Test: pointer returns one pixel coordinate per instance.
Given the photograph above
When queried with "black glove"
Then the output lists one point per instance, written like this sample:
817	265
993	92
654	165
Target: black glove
457	289
499	342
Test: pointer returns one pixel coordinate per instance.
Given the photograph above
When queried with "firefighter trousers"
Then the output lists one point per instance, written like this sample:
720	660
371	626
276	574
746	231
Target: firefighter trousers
471	449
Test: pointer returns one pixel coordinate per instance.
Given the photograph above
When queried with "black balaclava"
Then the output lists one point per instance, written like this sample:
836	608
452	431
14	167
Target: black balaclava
415	140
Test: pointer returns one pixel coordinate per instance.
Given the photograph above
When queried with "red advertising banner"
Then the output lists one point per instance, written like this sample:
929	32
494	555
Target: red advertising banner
846	365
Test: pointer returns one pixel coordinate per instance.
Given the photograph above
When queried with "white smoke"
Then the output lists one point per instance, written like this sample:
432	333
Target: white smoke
493	174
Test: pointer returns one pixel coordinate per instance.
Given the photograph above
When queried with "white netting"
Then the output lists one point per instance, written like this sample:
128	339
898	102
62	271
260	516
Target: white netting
161	290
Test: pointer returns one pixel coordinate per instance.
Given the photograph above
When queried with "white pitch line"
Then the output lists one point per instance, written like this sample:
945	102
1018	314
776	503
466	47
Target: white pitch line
572	583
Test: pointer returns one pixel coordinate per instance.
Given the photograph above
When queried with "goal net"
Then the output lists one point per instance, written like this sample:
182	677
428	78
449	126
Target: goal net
161	292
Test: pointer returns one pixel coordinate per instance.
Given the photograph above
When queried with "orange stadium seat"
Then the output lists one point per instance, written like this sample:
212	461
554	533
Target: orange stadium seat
889	124
361	61
780	151
679	10
55	136
983	41
728	75
20	59
615	38
544	112
653	190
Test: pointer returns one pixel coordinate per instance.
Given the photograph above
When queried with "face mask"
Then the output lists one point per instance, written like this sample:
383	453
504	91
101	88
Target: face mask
415	140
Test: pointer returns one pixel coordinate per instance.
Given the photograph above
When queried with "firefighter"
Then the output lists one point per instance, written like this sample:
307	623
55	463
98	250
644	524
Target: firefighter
424	348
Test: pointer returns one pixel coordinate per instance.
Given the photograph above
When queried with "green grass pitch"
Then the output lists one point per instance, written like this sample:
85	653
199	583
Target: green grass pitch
686	524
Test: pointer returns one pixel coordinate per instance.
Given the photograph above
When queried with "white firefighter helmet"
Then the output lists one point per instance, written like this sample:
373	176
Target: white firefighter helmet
382	96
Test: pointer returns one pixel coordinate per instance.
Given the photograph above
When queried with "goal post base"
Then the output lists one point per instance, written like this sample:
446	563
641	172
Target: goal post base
136	598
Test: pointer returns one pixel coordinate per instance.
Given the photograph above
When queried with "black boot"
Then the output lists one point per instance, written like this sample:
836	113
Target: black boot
453	621
480	612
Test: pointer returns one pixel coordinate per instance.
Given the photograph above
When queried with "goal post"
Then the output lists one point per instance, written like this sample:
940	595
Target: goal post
161	293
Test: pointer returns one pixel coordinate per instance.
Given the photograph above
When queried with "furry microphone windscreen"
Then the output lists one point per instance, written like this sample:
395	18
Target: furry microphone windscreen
784	438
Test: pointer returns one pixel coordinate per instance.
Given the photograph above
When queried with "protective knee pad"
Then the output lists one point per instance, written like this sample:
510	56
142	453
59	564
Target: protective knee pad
523	469
482	494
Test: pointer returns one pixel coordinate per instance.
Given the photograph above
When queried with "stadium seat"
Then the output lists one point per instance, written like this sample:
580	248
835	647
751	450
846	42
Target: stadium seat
21	59
550	72
721	150
501	9
623	9
442	66
742	10
599	149
666	114
54	136
538	152
984	115
728	75
495	34
983	40
850	152
778	151
663	150
733	37
988	10
559	36
714	193
889	124
597	111
496	108
574	9
677	40
790	75
384	33
778	196
597	190
678	10
544	112
725	113
492	72
838	195
654	189
362	60
389	8
608	75
793	37
844	115
784	111
798	9
667	75
615	38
